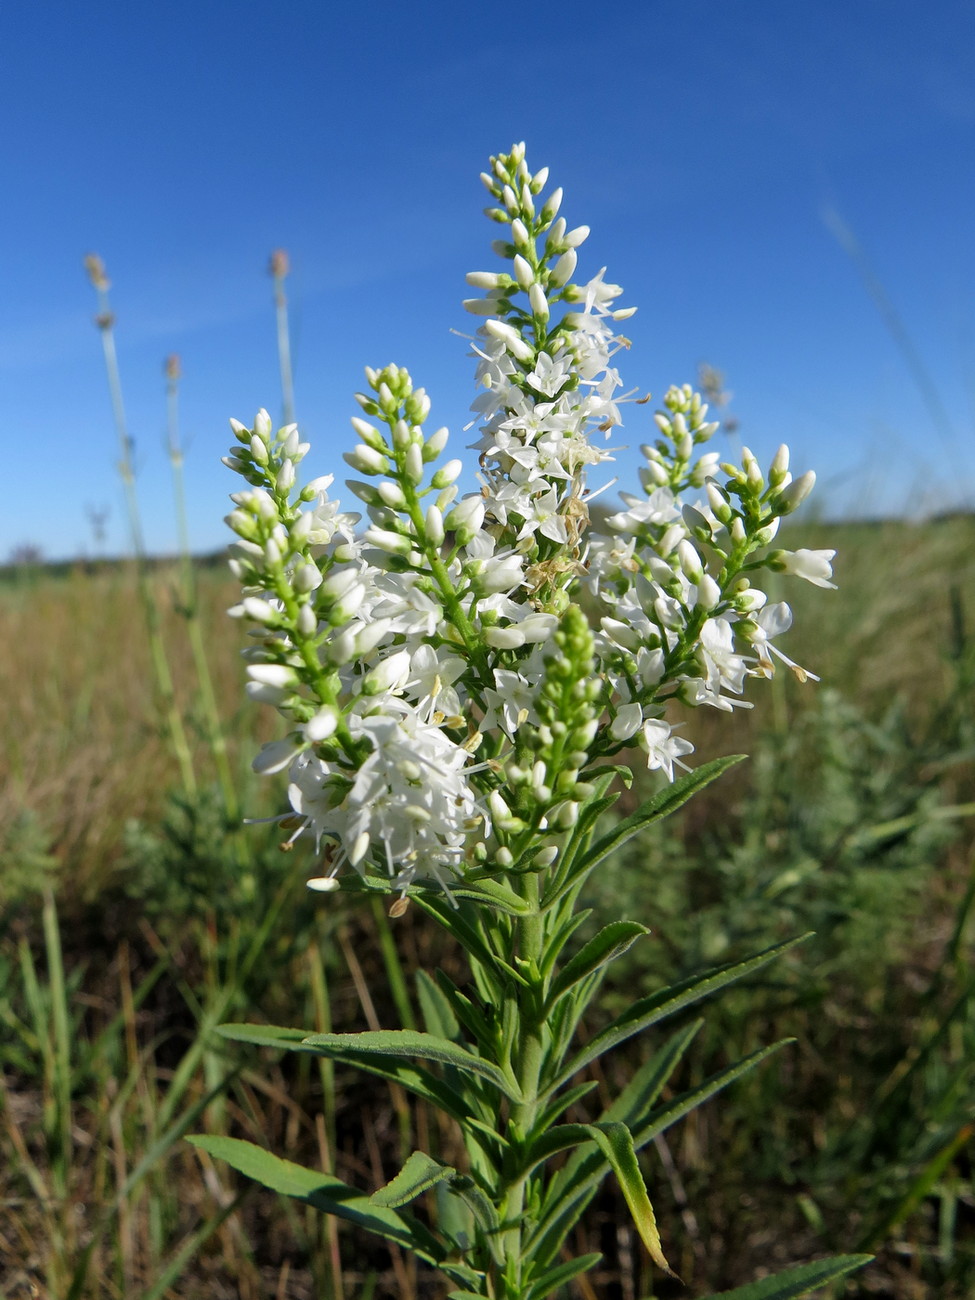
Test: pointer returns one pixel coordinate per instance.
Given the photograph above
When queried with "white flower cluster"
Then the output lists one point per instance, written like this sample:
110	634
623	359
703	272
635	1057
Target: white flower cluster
448	699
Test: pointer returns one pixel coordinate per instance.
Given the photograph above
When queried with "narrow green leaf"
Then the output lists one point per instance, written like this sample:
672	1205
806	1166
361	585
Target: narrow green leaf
796	1281
648	1011
561	937
414	1078
632	1107
265	1035
462	923
438	1015
662	804
635	1102
611	941
575	1185
560	1137
323	1192
418	1175
558	1276
473	1196
682	1105
616	1143
562	1103
408	1043
465	1008
493	893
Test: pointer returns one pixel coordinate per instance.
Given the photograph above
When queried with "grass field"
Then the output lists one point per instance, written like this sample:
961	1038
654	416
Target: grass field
138	915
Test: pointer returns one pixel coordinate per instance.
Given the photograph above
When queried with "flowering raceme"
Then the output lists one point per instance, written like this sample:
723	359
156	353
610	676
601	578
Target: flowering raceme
449	703
458	676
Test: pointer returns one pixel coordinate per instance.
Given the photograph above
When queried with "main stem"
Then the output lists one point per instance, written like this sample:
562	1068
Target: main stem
528	1059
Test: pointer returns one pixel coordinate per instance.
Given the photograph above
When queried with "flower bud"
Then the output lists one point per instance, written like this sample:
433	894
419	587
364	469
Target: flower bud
480	306
519	234
369	434
779	467
307	621
689	561
466	518
306	577
446	474
523	272
433	524
564	267
434	445
391	494
551	206
510	337
791	497
485	279
392	543
260	611
504	638
366	460
708	592
413	463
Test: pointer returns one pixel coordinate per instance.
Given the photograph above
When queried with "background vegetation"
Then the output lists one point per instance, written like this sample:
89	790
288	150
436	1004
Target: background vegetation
137	915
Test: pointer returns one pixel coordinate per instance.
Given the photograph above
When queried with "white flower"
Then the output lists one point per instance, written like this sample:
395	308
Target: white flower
814	566
664	749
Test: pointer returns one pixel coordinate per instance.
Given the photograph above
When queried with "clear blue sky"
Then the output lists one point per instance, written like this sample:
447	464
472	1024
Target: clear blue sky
702	140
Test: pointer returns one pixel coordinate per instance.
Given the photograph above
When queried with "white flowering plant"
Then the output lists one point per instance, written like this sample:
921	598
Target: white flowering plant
459	678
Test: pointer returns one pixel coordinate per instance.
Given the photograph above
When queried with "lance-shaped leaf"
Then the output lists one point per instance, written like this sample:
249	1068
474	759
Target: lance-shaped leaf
553	1278
493	893
796	1281
418	1175
611	941
661	805
438	1015
648	1011
616	1143
323	1192
580	861
575	1185
265	1035
410	1043
560	938
632	1107
473	1196
414	1078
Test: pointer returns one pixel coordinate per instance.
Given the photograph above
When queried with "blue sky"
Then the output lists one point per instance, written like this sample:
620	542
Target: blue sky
704	141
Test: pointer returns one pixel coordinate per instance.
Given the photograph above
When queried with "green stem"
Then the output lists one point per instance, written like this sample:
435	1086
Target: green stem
528	1057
